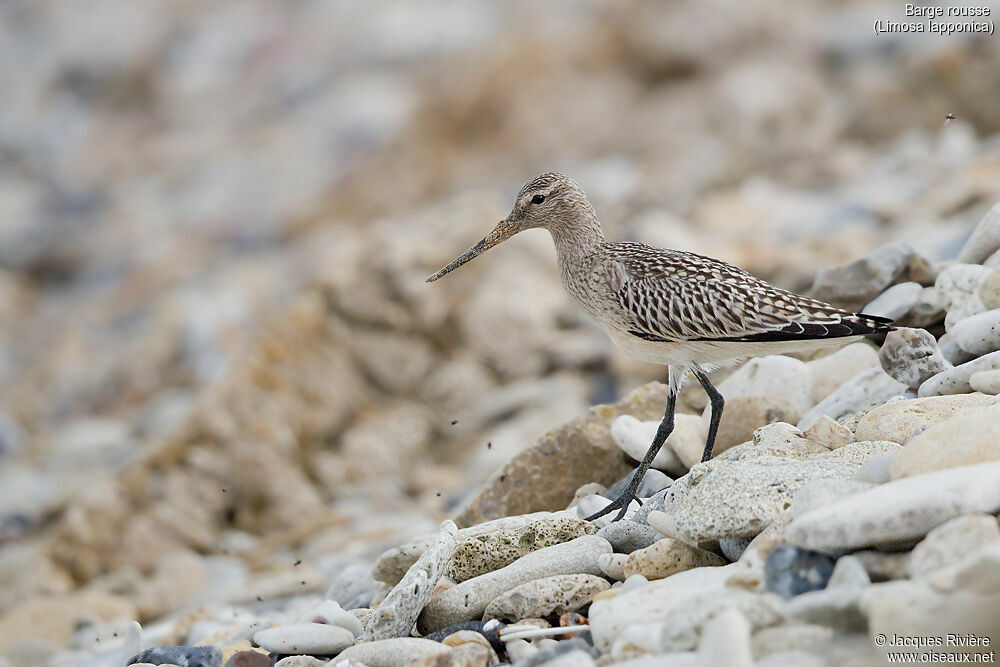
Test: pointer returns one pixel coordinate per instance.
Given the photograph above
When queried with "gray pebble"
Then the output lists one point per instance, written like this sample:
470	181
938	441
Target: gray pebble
733	547
185	656
627	536
652	481
791	571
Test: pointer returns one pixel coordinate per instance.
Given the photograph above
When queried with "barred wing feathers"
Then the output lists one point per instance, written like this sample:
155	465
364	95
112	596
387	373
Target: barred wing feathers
679	296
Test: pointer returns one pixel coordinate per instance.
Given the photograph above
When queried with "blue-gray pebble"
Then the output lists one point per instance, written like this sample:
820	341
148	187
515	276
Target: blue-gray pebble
791	571
185	656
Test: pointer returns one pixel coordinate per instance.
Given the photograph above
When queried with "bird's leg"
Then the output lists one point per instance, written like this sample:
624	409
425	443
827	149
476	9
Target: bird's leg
662	432
717	404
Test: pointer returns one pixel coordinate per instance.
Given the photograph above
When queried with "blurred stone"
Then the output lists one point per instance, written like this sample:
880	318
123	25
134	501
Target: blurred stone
985	239
573	454
986	382
54	618
968	437
854	284
896	301
185	656
865	390
978	334
634	437
790	571
902	421
829	372
951	542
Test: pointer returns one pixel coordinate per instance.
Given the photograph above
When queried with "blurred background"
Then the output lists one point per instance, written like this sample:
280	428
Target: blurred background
217	349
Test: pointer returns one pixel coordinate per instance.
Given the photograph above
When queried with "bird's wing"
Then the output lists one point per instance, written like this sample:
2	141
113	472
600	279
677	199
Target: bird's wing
672	296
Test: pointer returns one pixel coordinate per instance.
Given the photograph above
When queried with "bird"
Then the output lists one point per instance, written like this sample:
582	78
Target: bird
680	309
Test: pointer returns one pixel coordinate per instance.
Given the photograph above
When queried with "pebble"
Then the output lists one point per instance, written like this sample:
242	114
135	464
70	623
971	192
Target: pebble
978	334
837	608
987	382
956	380
297	661
667	557
896	301
353	587
613	565
330	612
463	655
901	421
545	597
726	640
865	390
827	432
774	375
856	283
251	659
911	356
985	239
396	652
898	512
468	600
928	310
876	470
646	607
394	563
491	551
989	289
970	436
627	536
733	547
740	499
567	653
312	638
742	416
634	438
958	284
684	624
396	614
849	572
492	643
786	638
791	571
184	656
951	542
652	482
951	351
832	370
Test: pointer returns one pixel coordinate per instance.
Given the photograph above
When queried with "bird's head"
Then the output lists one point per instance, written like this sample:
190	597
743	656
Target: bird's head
551	201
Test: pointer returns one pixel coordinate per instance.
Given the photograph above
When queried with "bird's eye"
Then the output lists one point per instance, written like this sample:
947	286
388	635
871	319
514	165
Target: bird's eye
538	199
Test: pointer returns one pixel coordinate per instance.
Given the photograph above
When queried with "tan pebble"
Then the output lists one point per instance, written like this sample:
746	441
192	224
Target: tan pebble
668	556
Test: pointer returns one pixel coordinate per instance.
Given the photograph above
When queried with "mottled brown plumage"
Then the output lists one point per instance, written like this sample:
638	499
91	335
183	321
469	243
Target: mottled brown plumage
676	308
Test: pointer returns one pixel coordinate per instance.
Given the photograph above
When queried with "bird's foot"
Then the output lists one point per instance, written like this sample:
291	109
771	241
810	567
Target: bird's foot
621	503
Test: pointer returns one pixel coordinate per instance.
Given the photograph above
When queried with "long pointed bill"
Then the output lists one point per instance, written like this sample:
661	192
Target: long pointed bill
503	231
